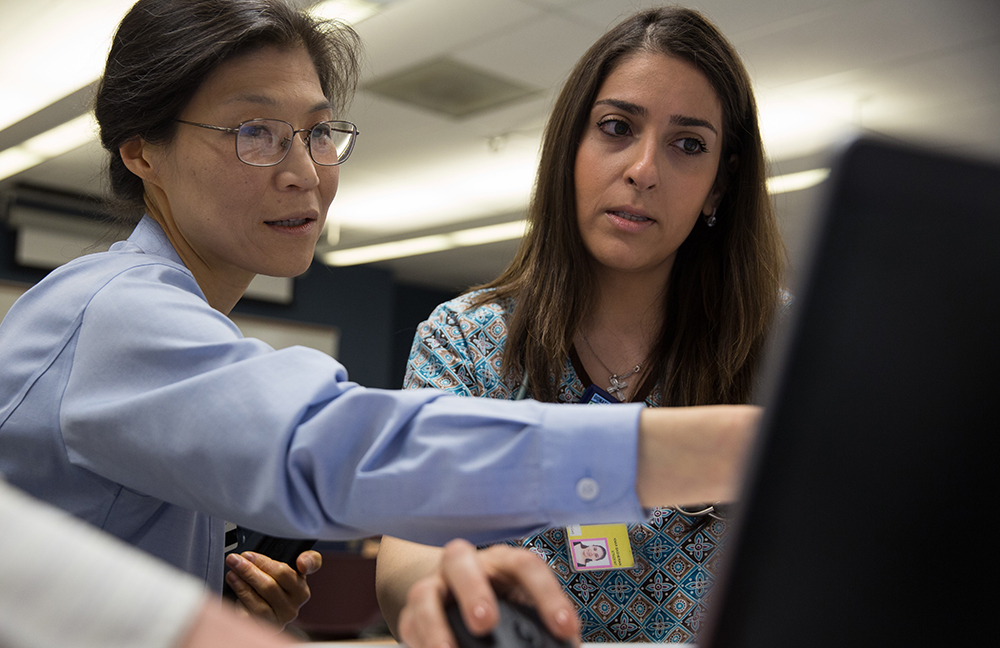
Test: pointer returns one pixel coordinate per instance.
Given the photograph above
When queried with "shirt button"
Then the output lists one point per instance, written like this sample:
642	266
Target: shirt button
587	488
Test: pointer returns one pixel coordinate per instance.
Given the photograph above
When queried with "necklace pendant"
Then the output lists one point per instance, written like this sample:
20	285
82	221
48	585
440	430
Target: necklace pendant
617	384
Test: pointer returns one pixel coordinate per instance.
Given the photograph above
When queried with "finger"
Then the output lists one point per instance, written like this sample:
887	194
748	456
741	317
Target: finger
247	596
282	581
309	562
422	621
469	583
267	598
532	579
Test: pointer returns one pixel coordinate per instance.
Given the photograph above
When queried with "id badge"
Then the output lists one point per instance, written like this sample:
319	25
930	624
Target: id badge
594	395
599	546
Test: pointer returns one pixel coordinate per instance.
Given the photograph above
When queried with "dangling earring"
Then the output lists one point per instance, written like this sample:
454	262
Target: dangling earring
711	220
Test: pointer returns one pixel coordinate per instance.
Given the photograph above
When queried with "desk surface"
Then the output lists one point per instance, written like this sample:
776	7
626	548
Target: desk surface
383	643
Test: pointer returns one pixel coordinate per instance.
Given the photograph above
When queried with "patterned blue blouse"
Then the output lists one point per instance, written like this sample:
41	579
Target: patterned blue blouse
662	599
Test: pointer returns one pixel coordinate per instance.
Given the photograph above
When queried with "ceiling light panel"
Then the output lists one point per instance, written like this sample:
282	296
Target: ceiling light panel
346	11
467	186
52	143
60	46
450	87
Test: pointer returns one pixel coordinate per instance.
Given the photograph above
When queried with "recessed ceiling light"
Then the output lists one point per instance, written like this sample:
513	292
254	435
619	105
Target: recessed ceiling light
451	88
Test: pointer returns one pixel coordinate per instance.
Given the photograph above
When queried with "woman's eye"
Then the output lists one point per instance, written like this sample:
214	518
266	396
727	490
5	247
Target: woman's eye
691	145
321	133
615	127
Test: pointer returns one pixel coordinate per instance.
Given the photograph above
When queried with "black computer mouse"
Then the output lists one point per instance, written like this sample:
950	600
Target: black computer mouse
519	627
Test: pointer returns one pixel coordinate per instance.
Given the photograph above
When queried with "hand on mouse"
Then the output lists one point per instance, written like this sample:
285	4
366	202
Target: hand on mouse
473	578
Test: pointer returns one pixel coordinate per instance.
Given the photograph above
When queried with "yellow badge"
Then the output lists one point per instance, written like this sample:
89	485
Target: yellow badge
599	546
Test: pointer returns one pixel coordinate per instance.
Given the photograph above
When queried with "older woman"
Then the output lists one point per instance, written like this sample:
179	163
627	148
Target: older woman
651	270
128	397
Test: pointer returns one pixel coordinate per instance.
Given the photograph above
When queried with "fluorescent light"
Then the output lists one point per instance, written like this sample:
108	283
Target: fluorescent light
52	143
426	244
441	191
490	233
796	181
52	49
345	11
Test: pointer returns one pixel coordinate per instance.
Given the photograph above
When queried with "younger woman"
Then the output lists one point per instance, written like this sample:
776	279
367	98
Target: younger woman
651	269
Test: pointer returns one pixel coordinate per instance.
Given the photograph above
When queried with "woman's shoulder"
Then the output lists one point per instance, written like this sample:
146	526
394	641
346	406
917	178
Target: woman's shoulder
474	306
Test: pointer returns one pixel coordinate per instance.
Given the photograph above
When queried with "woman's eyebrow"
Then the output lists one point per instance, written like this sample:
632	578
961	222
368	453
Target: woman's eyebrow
624	106
252	98
263	100
640	111
683	120
321	106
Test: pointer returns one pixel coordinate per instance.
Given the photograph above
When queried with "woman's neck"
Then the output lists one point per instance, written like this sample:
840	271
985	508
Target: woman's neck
222	290
622	329
627	305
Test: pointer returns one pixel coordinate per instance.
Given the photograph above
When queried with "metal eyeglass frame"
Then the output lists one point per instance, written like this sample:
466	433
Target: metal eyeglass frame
236	131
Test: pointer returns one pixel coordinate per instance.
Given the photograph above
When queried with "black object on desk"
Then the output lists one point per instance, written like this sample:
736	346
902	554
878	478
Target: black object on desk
519	627
867	510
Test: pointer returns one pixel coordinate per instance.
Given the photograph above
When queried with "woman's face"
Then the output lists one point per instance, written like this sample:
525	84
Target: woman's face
592	552
229	220
647	163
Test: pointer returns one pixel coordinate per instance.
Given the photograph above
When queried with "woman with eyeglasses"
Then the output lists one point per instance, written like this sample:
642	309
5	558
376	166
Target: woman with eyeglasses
130	399
650	272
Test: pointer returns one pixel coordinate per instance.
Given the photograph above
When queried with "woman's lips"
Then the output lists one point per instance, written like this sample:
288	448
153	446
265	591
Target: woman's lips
292	222
630	216
629	221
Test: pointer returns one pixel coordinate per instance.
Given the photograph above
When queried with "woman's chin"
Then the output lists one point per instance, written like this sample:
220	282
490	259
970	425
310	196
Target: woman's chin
287	268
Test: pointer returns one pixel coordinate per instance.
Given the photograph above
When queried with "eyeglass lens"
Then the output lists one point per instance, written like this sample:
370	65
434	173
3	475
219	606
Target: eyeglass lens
266	141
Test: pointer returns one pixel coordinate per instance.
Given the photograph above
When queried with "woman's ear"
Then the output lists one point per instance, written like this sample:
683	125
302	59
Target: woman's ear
136	157
721	184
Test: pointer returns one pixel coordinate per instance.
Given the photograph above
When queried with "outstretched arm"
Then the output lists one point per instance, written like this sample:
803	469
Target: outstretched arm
688	455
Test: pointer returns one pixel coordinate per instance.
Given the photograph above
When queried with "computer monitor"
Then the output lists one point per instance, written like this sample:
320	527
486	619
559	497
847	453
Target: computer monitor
867	513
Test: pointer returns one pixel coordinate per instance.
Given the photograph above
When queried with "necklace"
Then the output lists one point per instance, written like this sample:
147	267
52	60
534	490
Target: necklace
616	382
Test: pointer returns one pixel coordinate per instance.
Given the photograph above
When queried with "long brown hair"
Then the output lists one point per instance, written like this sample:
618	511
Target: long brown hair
726	280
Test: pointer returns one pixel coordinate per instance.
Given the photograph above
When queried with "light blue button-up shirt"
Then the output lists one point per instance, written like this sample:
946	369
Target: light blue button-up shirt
130	402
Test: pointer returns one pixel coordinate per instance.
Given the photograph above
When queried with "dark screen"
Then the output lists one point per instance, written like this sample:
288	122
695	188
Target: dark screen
868	511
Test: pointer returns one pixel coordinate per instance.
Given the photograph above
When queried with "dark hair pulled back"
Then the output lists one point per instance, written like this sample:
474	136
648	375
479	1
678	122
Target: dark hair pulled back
165	49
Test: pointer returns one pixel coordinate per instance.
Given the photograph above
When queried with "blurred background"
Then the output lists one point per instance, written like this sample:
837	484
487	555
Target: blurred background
455	94
451	107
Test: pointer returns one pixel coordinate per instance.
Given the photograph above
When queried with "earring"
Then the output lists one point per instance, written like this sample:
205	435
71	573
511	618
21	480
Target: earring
711	220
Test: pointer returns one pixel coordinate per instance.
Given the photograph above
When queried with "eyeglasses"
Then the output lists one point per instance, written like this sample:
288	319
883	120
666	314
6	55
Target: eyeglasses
266	142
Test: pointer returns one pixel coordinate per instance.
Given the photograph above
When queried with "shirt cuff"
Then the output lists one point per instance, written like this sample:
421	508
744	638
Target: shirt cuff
590	463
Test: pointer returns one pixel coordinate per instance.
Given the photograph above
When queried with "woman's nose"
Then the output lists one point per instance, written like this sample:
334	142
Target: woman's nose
642	171
299	170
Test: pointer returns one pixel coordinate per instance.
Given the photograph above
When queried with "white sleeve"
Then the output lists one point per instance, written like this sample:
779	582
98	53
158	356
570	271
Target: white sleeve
67	584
